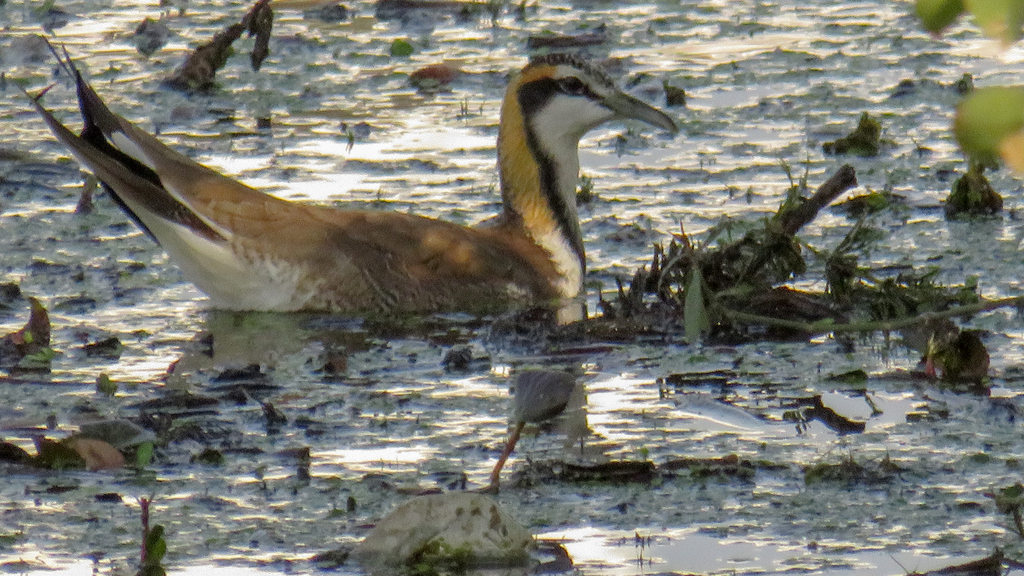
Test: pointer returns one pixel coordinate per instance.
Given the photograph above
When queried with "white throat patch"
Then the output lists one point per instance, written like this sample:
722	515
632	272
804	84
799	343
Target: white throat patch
567	264
558	127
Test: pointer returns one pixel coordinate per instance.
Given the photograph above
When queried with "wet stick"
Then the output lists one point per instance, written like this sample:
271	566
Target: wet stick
826	327
795	219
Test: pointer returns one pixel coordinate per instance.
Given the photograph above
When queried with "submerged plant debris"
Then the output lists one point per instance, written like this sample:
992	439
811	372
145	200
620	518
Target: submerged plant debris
777	388
863	141
972	195
197	72
735	289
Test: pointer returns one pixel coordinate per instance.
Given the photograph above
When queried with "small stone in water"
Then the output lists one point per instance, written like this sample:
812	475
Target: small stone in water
150	36
330	13
468	528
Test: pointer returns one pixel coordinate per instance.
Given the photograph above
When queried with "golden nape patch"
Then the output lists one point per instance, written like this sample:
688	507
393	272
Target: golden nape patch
533	73
520	173
521	185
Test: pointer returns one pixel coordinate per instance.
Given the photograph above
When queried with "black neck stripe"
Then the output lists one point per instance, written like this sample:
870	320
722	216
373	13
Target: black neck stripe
533	96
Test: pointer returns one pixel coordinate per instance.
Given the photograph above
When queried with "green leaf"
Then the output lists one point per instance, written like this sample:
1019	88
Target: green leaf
695	315
39	360
106	386
989	124
1008	499
156	547
998	19
936	15
401	48
1012	492
851	377
57	455
144	455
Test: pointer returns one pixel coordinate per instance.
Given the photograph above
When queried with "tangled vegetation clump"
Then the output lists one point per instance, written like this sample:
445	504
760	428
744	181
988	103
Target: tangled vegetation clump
197	72
742	275
737	291
747	270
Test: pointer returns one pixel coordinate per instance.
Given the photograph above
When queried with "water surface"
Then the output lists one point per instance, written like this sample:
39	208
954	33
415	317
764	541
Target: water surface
767	83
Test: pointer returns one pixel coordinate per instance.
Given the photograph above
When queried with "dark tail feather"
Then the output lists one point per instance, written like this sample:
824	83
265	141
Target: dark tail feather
98	121
115	169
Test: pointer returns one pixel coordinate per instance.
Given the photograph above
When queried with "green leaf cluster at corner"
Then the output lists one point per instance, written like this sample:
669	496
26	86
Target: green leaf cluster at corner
1002	20
156	548
937	15
989	125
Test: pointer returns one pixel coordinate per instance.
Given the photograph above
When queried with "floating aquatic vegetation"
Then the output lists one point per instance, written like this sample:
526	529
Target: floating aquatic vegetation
873	202
434	77
674	96
972	195
151	35
849	471
739	275
73	453
330	12
29	347
863	141
401	48
599	35
106	386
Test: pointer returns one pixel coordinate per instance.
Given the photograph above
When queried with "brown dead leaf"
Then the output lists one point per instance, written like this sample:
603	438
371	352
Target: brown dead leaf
98	455
434	76
35	335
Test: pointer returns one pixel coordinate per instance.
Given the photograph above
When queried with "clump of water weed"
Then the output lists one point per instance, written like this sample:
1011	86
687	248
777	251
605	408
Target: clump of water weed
863	141
972	195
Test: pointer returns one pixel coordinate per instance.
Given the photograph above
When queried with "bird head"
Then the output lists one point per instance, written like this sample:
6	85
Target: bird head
548	107
562	97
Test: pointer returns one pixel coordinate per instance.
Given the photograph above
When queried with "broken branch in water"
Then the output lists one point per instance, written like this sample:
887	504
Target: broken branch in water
794	219
827	326
199	69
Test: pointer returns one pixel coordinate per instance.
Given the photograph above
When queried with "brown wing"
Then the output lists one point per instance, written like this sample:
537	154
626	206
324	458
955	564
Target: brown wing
391	261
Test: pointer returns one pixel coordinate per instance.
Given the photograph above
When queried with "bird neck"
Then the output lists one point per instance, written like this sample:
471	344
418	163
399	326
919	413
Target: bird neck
538	187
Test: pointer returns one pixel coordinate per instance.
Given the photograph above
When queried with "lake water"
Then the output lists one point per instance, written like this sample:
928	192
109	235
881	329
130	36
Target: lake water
766	84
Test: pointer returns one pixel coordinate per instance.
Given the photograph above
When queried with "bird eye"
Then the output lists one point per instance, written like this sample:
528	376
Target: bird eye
572	85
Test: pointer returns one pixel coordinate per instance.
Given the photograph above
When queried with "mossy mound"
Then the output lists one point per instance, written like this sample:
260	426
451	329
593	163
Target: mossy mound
972	195
863	141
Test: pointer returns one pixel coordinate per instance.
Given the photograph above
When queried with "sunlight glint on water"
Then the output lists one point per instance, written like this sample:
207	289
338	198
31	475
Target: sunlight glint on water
766	82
